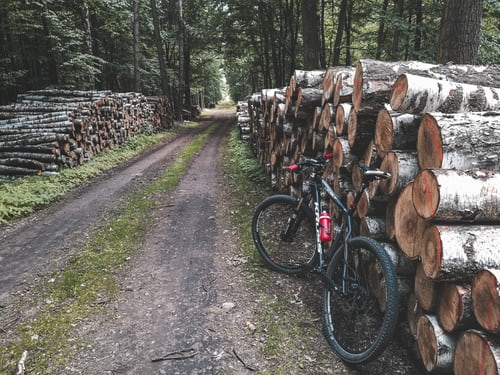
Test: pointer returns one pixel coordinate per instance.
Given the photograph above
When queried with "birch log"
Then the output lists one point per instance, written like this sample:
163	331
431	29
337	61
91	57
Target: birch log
459	141
457	252
434	345
408	225
477	353
456	195
403	167
394	130
486	299
344	82
416	94
373	80
454	308
426	290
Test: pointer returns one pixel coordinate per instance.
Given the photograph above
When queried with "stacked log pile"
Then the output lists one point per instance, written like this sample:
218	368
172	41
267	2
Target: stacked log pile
436	129
46	130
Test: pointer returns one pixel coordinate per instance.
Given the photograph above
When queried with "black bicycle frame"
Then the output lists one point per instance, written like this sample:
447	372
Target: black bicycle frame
346	227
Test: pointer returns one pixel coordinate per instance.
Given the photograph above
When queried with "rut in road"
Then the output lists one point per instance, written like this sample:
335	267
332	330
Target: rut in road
173	304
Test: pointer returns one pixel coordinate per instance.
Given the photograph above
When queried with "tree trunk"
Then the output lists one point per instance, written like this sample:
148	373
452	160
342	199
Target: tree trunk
459	32
477	353
417	95
310	28
403	167
454	309
327	117
486	299
434	345
456	195
136	45
459	141
395	130
458	252
408	225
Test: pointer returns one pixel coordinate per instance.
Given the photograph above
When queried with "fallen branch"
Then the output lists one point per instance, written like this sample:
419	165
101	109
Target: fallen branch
243	362
178	354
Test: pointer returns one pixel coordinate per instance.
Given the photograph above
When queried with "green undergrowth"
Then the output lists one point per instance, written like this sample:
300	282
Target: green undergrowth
68	296
287	320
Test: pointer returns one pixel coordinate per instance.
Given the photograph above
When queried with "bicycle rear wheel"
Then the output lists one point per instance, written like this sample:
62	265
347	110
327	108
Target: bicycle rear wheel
285	235
360	324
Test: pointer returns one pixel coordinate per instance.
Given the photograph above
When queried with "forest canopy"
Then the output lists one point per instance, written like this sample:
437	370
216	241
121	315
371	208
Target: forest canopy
184	48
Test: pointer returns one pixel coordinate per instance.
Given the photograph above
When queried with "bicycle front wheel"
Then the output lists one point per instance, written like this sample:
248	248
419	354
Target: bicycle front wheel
360	319
285	234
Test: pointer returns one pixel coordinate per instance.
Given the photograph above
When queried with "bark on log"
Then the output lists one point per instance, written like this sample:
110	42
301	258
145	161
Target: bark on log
454	309
456	195
426	290
395	130
344	83
402	264
457	252
375	78
459	141
417	95
307	100
477	353
408	225
372	226
403	167
486	299
436	347
306	78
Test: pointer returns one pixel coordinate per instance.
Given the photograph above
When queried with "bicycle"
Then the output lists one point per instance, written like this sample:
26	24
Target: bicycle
360	298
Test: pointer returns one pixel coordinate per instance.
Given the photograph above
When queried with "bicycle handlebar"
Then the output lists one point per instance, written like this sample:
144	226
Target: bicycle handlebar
369	174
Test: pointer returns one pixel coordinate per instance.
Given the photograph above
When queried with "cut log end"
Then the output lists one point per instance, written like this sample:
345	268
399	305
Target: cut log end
398	93
408	226
476	353
429	143
426	194
427	344
486	299
389	164
450	307
431	252
383	132
357	89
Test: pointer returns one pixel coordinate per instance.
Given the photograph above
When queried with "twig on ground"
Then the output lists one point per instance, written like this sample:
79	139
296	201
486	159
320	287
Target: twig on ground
243	362
178	354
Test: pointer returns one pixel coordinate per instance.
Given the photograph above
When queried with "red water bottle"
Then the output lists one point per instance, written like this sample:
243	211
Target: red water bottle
325	232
